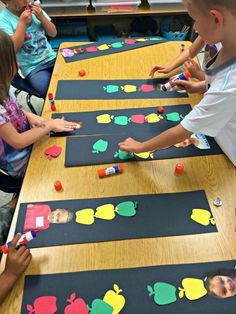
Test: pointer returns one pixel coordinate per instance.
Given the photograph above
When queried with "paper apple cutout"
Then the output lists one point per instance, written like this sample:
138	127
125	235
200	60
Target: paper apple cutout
121	120
193	289
116	300
163	292
129	88
145	155
138	118
85	216
127	209
146	88
106	211
100	146
76	306
43	305
100	307
123	155
111	88
104	118
202	216
53	151
173	116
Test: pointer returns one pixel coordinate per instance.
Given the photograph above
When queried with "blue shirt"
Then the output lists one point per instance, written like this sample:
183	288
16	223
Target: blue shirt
36	49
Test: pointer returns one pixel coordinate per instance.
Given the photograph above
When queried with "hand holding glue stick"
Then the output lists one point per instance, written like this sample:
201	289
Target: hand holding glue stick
25	238
182	76
17	262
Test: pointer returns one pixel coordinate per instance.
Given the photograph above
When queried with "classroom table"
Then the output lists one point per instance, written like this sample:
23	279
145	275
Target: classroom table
214	174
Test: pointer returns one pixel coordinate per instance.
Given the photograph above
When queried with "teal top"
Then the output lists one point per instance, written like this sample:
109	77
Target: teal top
36	49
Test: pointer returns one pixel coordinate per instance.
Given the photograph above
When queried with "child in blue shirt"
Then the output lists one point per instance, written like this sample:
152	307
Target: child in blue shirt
28	27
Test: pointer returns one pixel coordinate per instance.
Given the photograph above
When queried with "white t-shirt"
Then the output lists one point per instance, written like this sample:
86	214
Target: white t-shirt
215	115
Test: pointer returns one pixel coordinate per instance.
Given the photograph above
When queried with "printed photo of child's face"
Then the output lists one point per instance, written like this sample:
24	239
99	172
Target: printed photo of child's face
59	215
223	286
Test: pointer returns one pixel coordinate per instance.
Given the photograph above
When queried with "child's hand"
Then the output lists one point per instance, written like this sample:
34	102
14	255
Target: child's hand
194	69
37	10
36	121
158	69
17	260
131	146
61	125
190	86
25	17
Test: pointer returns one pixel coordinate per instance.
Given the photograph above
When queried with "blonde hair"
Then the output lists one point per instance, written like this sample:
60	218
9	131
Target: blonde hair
8	66
204	5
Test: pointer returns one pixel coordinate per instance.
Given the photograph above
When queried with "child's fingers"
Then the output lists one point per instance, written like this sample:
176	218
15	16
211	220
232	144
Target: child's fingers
25	254
13	242
28	260
21	250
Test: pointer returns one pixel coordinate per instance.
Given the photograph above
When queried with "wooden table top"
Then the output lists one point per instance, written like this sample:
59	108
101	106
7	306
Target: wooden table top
215	174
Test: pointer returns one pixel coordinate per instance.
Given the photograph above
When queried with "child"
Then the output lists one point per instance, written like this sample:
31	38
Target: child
186	58
16	263
16	136
28	26
215	115
221	283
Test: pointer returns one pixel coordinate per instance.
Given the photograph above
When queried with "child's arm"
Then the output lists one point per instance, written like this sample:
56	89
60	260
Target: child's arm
33	119
19	36
16	263
21	140
190	52
168	138
49	27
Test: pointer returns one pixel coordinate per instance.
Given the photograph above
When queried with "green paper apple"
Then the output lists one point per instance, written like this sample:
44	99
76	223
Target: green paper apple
117	44
123	155
100	146
111	88
163	292
121	120
173	116
100	307
127	209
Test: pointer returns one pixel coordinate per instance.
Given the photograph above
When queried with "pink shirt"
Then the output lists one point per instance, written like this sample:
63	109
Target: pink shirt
37	217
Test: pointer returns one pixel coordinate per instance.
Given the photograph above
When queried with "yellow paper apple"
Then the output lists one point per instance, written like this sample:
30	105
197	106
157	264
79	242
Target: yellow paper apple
106	211
103	47
202	216
129	88
85	216
153	118
104	118
116	300
145	155
193	289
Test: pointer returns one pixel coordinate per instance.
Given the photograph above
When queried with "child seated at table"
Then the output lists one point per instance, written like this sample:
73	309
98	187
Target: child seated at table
18	128
215	115
28	26
16	263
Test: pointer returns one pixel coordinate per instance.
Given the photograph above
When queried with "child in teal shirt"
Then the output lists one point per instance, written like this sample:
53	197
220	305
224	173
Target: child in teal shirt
28	27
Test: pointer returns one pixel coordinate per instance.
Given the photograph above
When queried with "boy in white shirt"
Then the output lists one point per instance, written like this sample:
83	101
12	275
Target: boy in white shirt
215	115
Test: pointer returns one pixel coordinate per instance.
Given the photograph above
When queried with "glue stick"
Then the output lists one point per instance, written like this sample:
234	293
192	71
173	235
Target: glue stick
109	171
182	76
26	237
51	101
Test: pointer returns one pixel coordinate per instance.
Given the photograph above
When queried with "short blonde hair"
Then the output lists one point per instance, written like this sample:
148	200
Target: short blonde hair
204	5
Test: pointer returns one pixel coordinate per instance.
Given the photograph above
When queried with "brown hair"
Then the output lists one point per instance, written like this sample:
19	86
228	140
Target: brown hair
204	5
8	66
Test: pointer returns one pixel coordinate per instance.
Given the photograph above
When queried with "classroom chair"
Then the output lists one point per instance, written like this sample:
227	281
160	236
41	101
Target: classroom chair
22	85
9	184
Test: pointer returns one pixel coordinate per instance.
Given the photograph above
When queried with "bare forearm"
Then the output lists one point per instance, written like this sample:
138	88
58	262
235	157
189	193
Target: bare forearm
179	60
49	27
166	139
6	283
19	36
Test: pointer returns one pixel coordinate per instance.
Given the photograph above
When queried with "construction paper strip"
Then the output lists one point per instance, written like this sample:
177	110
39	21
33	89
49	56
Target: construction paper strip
70	292
113	89
155	215
99	49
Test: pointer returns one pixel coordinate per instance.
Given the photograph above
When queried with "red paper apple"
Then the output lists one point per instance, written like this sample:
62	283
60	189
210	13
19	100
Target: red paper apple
53	151
43	305
76	306
146	88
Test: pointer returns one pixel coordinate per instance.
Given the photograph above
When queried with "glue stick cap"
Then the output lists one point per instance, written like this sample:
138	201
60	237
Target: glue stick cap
4	249
50	95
